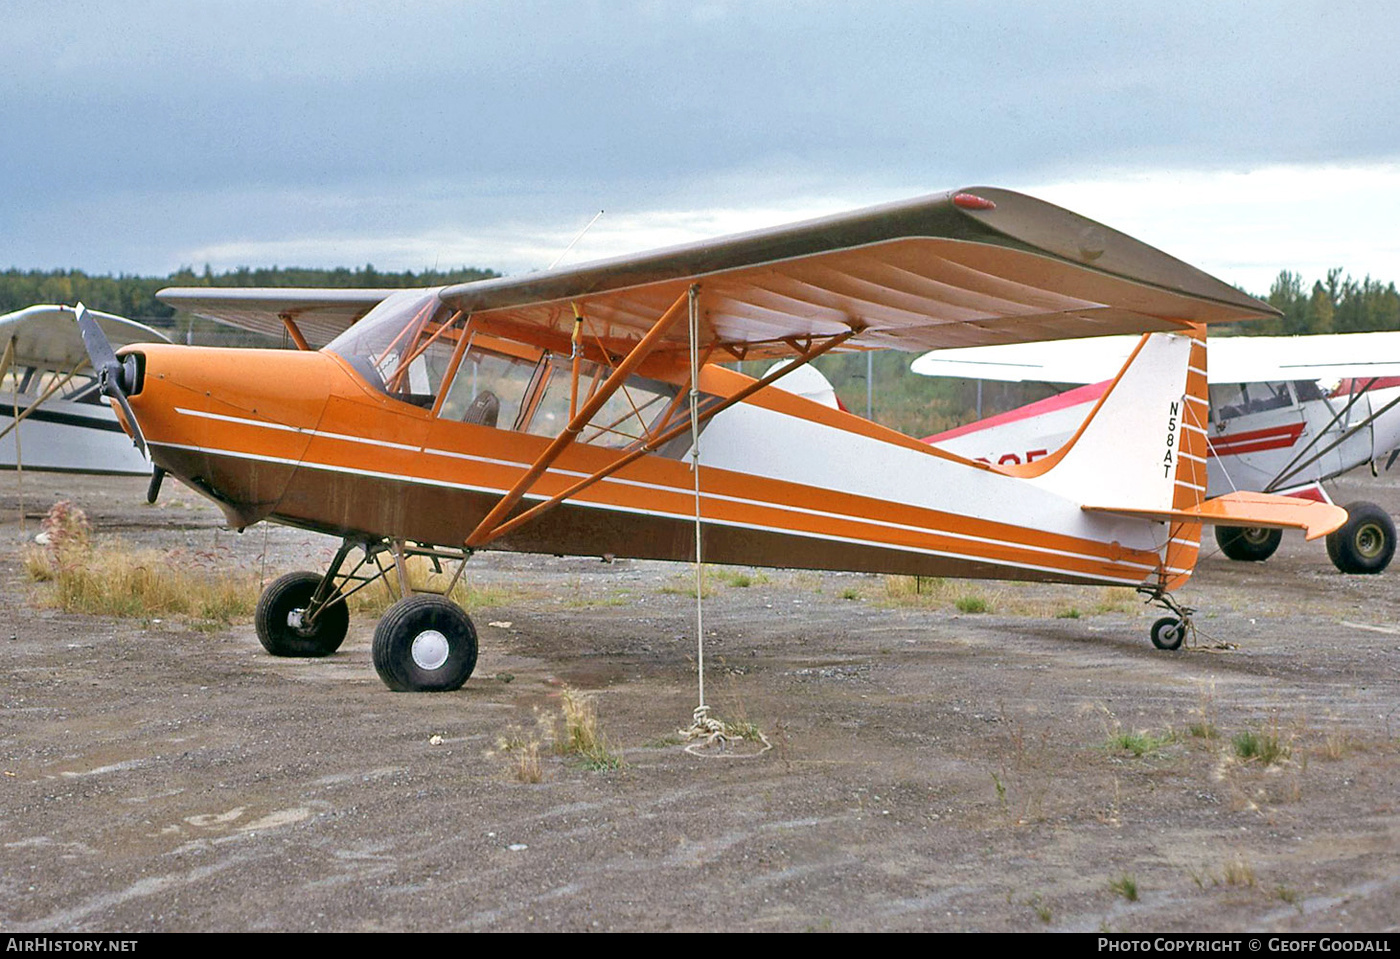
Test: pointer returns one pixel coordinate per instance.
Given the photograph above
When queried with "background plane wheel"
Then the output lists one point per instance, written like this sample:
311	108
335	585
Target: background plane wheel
1250	544
278	619
424	644
1365	542
1168	632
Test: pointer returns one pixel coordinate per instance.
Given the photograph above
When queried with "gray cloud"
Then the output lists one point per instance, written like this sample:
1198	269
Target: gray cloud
138	131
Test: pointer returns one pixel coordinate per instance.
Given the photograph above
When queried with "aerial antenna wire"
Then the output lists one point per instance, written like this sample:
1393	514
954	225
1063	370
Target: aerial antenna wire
575	240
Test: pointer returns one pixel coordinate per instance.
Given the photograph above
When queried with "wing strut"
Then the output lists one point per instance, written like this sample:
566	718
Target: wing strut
487	529
1294	467
294	331
54	387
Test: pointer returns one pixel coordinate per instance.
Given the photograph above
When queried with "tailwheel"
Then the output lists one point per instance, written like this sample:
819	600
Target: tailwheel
289	623
424	643
1168	632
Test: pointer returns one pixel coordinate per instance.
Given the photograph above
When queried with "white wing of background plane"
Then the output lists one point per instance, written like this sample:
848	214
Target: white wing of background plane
47	337
1233	359
320	314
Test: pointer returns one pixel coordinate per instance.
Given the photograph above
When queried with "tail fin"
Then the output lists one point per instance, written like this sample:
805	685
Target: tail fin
1143	447
1142	453
1144	442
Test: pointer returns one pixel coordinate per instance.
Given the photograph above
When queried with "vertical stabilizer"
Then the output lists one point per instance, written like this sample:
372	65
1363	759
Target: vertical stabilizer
1144	444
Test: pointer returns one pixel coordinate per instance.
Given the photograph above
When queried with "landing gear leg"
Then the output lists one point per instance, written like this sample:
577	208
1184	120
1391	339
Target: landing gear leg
1170	631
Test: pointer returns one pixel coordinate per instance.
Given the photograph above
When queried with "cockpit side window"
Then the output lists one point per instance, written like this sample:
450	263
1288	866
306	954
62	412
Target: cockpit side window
490	388
403	346
621	422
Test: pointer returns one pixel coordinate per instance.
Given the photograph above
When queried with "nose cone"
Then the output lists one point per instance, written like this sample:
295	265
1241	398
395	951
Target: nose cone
231	423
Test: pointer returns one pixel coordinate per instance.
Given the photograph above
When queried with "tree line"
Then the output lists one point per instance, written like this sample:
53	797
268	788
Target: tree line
134	297
916	405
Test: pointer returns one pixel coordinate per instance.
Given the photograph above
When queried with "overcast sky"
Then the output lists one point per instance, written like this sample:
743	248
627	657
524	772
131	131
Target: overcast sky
141	136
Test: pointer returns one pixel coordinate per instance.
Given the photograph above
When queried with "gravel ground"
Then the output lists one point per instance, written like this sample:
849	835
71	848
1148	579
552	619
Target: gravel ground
1025	768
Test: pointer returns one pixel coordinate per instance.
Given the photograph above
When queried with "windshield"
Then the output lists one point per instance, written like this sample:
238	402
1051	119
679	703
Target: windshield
403	346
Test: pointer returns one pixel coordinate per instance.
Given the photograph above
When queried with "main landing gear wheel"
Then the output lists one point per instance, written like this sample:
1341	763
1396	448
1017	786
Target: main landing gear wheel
1168	632
281	618
424	643
1250	544
1365	542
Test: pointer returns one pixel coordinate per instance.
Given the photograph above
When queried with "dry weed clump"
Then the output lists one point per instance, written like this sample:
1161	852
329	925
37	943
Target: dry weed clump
111	579
582	736
572	733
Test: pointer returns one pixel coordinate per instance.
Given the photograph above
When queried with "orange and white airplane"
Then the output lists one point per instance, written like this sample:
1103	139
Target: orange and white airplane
586	411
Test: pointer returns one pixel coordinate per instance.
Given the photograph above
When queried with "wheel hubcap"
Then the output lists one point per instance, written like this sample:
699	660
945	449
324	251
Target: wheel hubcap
1255	535
1369	541
429	649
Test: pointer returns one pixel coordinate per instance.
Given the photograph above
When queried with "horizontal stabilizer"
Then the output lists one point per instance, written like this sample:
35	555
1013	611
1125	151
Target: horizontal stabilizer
1248	510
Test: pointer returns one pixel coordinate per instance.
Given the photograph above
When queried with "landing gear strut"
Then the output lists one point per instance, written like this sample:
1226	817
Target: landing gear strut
424	642
1170	631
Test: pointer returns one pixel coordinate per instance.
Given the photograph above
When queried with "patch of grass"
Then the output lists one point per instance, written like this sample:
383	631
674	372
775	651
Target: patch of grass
1204	725
377	597
582	736
1264	747
743	729
1125	886
1203	730
115	580
684	585
916	590
740	579
1336	743
1009	599
850	592
663	742
523	750
1114	599
1238	872
971	603
1138	743
1042	911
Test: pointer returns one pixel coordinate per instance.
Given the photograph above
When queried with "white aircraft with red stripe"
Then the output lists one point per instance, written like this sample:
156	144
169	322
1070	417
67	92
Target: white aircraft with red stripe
1286	413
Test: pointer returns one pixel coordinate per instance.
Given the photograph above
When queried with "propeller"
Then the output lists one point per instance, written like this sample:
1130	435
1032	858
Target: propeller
115	377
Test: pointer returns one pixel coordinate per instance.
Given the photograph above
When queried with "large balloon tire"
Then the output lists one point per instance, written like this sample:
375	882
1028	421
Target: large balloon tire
1248	544
1365	543
279	611
425	644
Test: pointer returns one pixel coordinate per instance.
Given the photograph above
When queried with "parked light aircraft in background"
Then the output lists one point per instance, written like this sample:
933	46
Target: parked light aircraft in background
48	388
585	411
1278	422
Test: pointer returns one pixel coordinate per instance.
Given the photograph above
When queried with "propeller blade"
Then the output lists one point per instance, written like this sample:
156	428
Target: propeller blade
109	371
137	436
99	350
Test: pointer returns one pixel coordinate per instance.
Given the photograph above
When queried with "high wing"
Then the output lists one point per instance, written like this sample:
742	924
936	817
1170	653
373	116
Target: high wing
319	314
967	267
46	337
1236	359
